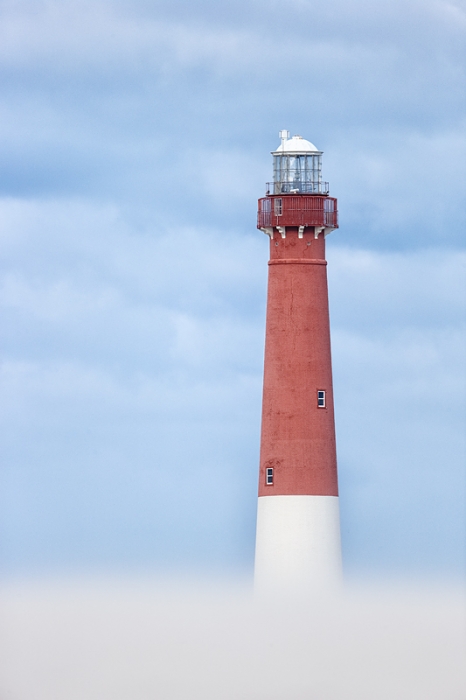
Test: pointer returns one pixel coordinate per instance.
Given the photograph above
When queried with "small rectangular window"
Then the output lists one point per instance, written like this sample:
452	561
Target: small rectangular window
277	206
321	399
269	476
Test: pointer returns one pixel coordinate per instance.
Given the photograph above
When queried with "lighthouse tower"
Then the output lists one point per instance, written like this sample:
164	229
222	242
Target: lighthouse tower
298	529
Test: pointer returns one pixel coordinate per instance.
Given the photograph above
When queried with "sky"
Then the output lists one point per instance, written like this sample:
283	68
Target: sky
135	141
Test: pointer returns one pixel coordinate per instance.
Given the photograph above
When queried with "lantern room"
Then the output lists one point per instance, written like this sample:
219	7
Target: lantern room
297	167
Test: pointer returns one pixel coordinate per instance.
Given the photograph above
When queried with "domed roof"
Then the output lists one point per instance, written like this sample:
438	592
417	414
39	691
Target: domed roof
296	145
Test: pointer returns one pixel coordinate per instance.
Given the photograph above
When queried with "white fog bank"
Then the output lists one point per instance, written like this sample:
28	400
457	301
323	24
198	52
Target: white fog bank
141	640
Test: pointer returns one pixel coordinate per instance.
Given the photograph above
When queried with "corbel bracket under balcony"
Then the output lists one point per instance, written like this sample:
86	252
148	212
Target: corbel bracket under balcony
268	231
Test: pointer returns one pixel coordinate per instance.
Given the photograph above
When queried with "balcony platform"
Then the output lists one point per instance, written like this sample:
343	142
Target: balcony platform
298	210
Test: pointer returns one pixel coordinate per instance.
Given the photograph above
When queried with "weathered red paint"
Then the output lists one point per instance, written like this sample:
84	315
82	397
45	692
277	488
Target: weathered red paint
298	438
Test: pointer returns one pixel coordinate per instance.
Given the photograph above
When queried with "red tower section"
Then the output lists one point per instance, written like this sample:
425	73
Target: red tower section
298	434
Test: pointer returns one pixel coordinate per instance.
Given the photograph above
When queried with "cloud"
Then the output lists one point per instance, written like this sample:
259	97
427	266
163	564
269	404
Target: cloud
398	348
145	104
417	289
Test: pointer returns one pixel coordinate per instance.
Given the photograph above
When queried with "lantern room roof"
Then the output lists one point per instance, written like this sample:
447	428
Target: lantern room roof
296	145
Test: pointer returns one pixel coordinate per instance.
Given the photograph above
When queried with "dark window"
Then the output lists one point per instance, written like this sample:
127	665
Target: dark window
277	206
321	399
269	476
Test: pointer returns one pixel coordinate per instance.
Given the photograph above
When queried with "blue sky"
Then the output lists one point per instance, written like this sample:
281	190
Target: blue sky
135	142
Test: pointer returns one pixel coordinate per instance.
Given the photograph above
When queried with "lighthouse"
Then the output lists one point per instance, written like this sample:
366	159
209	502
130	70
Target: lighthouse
298	528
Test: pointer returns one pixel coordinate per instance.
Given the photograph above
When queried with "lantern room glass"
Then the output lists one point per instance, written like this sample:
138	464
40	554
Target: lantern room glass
294	173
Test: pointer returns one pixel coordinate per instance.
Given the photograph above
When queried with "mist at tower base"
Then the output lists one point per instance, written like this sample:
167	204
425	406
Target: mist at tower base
135	142
143	638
